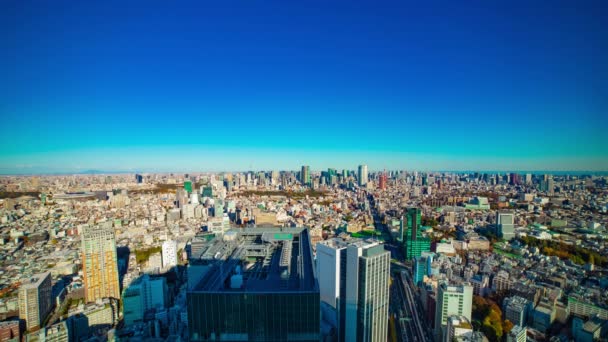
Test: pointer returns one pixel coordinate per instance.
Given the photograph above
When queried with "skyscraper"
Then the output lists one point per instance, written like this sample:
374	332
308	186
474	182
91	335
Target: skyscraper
382	181
452	300
169	250
362	175
99	263
305	175
505	225
367	273
35	300
414	242
188	186
353	285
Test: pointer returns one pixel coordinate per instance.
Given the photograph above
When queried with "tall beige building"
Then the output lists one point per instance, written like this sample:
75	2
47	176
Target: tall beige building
35	302
99	263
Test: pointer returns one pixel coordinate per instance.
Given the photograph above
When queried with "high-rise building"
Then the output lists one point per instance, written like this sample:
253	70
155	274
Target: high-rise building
505	225
35	300
143	294
414	242
422	267
99	263
331	271
254	284
516	309
181	198
514	179
362	175
367	301
305	175
188	186
353	285
452	300
517	334
382	181
169	250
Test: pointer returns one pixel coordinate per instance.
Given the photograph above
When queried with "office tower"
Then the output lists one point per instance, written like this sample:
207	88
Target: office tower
452	300
514	179
516	309
353	286
414	242
505	225
139	179
188	186
422	267
218	208
99	263
362	176
382	181
274	177
181	198
9	331
255	284
367	273
169	250
143	294
517	334
459	327
332	176
550	186
35	300
528	179
331	271
305	175
207	191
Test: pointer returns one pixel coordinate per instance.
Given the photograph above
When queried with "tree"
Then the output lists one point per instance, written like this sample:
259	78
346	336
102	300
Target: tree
506	326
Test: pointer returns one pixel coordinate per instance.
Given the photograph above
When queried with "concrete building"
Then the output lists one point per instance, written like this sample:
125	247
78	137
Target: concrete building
452	300
459	327
353	281
593	329
100	263
305	175
254	284
542	317
9	331
505	225
169	252
516	309
59	332
362	176
143	294
35	302
517	334
367	291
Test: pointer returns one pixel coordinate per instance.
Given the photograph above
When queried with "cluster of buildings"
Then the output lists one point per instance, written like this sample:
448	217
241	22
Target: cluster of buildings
302	255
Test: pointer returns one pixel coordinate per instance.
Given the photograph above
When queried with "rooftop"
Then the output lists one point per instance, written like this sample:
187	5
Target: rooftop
255	260
34	281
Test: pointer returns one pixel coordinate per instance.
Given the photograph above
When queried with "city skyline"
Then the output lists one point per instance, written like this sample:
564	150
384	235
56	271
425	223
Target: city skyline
274	86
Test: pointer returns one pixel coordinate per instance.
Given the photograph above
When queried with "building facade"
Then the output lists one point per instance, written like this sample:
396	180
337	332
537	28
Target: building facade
35	302
452	300
100	263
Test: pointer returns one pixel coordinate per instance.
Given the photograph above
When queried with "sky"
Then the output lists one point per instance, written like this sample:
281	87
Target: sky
260	85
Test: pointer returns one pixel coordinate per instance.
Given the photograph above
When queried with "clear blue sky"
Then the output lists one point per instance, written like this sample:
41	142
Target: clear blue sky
235	85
